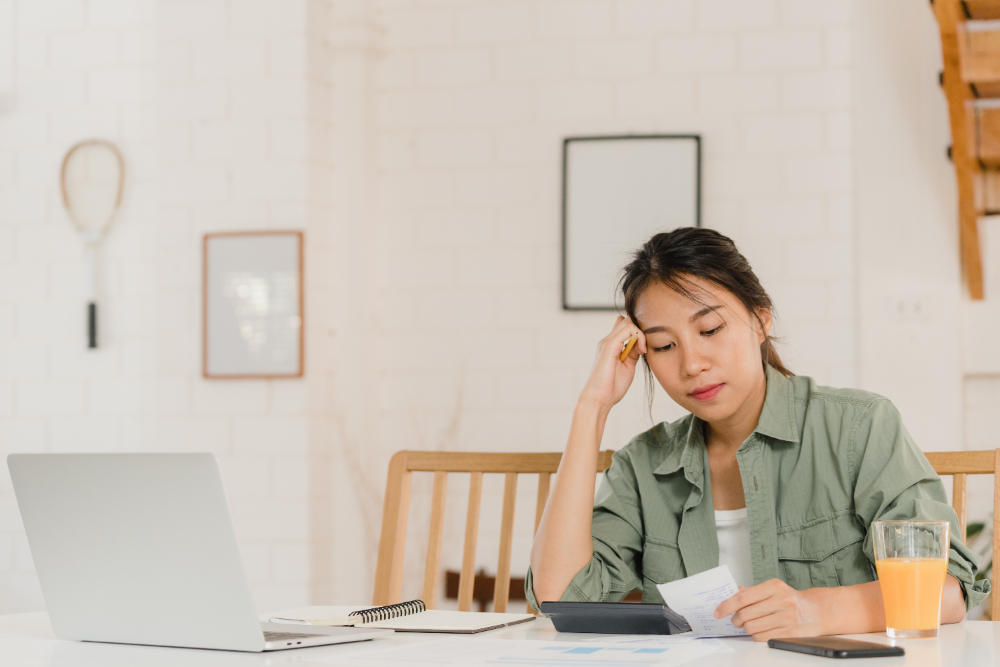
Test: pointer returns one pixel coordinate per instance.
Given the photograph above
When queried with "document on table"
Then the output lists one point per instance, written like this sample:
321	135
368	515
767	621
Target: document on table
662	640
696	597
522	652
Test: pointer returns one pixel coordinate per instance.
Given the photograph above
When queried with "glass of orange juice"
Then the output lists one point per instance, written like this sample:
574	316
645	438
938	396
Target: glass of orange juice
911	558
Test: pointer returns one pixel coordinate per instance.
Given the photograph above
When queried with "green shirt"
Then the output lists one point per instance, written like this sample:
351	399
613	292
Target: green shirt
821	465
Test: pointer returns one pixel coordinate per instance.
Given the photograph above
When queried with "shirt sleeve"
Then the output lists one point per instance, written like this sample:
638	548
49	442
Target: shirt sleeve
616	566
895	481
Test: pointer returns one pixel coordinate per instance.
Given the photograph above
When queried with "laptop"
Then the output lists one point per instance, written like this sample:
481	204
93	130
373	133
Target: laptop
140	549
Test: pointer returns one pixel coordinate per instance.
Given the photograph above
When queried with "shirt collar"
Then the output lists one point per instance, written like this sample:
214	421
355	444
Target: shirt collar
777	420
687	456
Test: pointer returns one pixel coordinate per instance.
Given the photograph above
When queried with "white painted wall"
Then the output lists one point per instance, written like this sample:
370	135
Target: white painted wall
418	145
906	223
921	340
223	121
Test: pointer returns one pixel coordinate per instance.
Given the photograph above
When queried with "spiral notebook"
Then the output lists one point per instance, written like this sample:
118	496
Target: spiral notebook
412	616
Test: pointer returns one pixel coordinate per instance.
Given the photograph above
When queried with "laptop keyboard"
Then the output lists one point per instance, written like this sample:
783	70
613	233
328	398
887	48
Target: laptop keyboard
280	636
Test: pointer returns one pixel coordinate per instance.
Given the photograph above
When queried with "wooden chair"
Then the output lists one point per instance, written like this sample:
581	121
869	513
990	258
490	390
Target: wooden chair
960	465
392	544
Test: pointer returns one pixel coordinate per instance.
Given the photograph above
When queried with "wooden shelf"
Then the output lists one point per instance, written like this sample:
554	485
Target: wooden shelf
979	55
988	192
983	119
983	10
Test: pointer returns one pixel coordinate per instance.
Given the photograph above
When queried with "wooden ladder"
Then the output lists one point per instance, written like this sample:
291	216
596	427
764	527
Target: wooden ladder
970	48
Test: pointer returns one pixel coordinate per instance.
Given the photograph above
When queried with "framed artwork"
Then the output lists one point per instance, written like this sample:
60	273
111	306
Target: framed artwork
618	192
252	305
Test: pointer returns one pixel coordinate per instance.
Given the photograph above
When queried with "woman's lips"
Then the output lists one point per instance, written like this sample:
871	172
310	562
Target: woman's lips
708	392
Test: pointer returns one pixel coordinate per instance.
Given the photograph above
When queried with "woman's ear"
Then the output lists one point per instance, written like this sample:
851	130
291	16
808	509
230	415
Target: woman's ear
766	324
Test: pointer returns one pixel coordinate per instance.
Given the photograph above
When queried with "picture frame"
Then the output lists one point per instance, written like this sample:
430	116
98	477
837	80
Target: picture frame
253	318
617	191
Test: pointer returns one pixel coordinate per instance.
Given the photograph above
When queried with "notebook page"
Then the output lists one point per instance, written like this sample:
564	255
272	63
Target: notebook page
438	620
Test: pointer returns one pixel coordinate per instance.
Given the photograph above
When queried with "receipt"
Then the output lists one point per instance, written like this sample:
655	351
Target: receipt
696	597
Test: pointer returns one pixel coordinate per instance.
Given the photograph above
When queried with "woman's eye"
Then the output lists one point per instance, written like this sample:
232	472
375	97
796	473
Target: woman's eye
713	331
661	349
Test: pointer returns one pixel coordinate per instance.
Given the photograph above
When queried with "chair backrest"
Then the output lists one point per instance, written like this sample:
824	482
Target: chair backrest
960	465
392	544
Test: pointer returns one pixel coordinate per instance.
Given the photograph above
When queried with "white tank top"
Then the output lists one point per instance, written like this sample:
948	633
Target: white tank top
733	528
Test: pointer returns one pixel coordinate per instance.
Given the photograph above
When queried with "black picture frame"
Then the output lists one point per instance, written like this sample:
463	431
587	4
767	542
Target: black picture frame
696	138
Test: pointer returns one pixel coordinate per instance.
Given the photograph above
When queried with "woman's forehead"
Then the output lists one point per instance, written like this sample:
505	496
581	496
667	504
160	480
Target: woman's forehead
660	304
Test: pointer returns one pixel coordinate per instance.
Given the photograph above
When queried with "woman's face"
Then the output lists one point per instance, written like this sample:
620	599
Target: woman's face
705	355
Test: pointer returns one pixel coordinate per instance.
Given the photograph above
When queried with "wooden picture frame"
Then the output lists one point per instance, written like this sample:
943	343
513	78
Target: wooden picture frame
617	191
253	318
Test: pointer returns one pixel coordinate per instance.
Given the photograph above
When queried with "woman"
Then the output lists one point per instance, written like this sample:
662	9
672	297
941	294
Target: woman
770	474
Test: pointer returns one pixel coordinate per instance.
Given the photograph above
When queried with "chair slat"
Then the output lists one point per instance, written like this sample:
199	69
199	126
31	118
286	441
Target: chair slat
432	569
952	463
399	553
532	462
466	580
995	604
392	542
501	590
543	495
960	498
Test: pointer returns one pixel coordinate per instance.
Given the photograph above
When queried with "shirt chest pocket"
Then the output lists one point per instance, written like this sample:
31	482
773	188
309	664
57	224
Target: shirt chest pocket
824	552
661	562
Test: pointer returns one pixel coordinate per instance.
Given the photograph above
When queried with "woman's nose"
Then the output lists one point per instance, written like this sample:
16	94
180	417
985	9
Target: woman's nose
695	361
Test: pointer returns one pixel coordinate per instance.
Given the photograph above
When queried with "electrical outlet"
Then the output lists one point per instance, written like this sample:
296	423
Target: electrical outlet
907	307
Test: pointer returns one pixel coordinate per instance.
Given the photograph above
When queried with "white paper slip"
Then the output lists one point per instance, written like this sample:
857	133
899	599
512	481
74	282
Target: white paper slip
326	615
521	652
696	598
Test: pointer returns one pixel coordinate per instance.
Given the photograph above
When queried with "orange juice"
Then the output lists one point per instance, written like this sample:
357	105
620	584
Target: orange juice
911	591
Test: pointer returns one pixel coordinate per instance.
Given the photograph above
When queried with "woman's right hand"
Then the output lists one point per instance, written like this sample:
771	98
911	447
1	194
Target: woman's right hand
611	378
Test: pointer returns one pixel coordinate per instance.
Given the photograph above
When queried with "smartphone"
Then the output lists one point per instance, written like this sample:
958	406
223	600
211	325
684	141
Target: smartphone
835	647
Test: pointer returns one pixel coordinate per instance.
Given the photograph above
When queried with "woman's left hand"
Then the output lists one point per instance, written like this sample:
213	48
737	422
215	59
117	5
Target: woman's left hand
775	609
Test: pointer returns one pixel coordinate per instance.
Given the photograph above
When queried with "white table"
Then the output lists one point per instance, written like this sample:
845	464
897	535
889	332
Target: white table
27	639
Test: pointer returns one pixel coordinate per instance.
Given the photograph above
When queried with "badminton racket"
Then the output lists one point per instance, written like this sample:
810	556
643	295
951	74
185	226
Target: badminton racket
92	179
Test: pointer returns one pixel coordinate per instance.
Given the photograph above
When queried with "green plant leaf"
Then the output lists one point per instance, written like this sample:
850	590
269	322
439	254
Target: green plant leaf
973	529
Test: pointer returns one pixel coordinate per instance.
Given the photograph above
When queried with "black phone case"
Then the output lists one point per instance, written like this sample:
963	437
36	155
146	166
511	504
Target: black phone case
834	647
615	618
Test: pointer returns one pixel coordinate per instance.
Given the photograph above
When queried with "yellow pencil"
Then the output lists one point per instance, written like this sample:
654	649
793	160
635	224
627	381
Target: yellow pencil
629	344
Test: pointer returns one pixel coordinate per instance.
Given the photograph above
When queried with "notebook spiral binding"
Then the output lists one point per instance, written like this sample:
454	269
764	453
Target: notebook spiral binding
390	611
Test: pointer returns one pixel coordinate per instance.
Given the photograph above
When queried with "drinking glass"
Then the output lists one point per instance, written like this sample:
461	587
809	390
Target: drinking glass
911	558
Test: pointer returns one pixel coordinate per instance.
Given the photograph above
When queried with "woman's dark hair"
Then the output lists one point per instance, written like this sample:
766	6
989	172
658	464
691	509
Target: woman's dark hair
672	258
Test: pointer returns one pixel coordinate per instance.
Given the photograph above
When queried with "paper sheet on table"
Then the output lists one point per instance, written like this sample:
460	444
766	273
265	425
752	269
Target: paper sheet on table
658	640
630	639
696	597
522	652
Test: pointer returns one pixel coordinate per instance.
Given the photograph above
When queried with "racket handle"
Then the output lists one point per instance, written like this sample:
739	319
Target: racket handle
92	325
